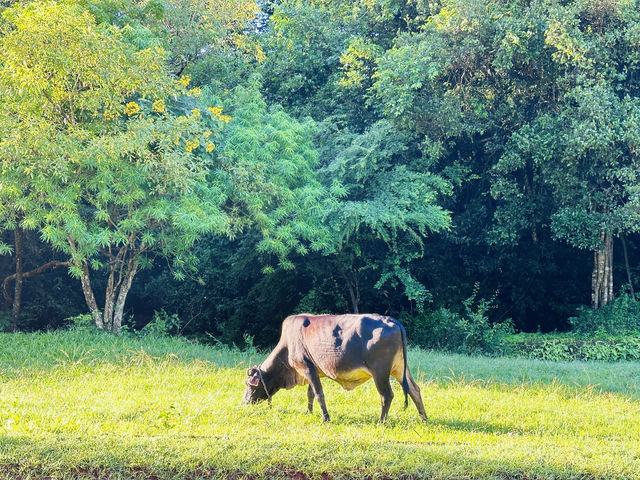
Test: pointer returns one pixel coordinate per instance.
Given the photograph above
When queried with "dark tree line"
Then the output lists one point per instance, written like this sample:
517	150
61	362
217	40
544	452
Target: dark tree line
436	149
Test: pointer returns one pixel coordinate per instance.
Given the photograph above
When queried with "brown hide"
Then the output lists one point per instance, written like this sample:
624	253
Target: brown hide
349	349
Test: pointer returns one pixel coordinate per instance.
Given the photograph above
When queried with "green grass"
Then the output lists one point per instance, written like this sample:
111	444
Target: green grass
83	405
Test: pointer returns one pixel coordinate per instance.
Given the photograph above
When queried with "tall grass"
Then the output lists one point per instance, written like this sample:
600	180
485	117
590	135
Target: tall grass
89	405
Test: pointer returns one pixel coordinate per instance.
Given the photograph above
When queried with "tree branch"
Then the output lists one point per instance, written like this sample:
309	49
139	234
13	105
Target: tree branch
31	273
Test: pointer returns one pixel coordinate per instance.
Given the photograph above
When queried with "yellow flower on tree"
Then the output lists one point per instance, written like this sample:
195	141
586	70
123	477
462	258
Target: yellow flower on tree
215	111
192	145
132	108
185	80
196	112
110	115
210	146
158	106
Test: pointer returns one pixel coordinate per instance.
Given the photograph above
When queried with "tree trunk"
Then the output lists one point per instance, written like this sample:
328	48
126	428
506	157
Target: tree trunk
350	276
626	265
17	292
354	294
90	297
527	189
109	300
602	276
122	295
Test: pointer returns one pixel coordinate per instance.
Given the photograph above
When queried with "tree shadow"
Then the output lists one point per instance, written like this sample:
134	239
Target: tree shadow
435	460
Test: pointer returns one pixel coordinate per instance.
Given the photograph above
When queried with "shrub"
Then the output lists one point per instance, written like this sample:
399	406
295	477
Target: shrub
558	347
620	316
468	332
5	321
162	324
81	322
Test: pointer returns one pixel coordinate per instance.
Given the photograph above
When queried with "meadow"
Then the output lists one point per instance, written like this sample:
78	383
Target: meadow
80	404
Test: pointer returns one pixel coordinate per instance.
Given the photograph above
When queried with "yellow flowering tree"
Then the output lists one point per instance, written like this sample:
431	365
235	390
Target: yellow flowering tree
92	155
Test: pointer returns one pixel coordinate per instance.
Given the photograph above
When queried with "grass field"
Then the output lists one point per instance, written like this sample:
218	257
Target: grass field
90	405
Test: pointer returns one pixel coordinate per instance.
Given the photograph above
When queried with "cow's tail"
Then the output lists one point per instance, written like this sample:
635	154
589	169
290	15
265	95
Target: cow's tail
405	371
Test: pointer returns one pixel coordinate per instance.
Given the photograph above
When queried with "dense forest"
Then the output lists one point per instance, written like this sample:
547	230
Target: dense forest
220	164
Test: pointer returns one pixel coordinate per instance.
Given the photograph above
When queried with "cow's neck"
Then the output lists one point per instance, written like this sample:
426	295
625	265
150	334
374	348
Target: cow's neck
278	371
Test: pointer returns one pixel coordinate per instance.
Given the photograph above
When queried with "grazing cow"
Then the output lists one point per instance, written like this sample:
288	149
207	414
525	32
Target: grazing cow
349	349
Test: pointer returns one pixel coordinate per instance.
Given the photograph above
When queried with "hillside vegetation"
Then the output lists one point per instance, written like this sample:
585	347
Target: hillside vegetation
80	404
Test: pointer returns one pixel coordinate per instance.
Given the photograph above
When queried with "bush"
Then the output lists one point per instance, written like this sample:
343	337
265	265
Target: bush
162	324
620	316
559	347
466	332
6	321
83	322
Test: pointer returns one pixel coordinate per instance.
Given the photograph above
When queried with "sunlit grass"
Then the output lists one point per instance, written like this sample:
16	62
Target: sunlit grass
86	405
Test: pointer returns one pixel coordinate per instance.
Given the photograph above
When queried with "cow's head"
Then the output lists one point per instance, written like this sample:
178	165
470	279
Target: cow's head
255	391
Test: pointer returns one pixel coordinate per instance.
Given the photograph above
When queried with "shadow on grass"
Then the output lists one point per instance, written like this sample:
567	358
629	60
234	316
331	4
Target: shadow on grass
473	426
367	419
49	458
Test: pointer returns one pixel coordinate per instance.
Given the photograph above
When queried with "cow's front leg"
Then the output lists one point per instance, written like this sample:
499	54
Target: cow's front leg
311	373
310	397
385	391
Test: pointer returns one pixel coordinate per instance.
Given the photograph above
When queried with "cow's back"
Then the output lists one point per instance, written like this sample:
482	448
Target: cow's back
342	347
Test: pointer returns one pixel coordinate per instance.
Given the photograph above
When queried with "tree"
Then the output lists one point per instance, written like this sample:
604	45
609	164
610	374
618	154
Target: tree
573	166
91	156
480	73
586	156
192	29
389	196
113	161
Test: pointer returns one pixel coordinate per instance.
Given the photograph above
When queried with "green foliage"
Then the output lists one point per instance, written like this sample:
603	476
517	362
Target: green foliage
83	323
162	325
189	30
572	165
620	317
384	196
122	166
556	347
453	142
468	332
108	174
267	162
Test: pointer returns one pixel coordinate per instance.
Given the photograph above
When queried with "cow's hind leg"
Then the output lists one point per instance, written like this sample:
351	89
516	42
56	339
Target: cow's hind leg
414	391
316	388
381	378
310	397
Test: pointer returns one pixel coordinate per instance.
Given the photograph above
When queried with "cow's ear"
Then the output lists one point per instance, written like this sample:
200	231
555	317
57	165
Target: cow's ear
254	381
249	371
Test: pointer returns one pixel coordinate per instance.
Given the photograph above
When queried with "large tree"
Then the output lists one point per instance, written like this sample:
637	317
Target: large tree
110	158
389	201
572	166
483	79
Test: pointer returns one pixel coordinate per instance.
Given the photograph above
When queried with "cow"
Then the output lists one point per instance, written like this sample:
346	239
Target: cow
349	349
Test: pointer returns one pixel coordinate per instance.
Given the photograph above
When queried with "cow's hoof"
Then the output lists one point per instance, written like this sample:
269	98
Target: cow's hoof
325	418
